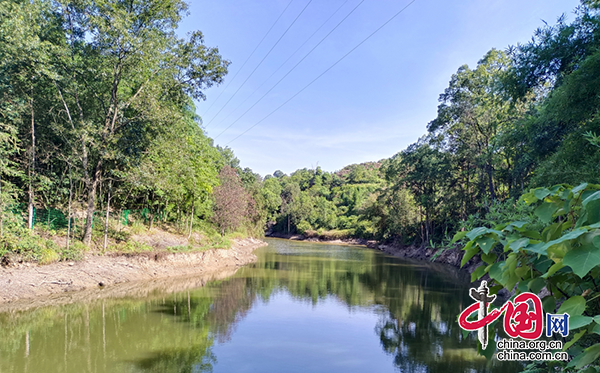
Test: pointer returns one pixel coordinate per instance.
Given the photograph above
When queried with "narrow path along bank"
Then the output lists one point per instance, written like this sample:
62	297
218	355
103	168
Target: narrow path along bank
31	281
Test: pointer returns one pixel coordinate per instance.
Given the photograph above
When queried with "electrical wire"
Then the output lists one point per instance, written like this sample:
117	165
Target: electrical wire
261	61
247	59
324	72
292	69
283	64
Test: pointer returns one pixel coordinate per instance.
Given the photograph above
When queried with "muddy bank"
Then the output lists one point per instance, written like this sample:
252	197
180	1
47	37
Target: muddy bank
32	285
451	256
341	241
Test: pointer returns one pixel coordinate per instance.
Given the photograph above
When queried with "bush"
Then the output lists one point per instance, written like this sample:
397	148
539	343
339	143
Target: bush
509	210
75	251
560	254
48	256
137	227
303	226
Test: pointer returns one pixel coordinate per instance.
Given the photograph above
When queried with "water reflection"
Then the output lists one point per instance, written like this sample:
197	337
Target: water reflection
319	307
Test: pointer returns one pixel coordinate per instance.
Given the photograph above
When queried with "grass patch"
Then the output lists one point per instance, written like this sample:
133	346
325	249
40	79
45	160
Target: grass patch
137	227
185	249
47	256
130	247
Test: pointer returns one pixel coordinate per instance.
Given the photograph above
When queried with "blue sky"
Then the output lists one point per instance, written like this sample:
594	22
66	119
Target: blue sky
372	104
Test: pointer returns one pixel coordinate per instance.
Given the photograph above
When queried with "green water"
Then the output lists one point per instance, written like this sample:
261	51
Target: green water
301	308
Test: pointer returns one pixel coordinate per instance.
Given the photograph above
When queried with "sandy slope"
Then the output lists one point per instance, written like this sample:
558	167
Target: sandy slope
31	284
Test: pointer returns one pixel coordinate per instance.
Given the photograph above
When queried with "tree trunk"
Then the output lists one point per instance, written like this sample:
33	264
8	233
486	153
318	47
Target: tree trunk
427	226
1	209
491	182
87	235
421	218
31	166
191	221
69	212
107	216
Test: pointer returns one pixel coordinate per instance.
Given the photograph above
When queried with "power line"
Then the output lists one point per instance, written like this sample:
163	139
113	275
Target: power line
324	72
292	69
261	61
283	64
247	59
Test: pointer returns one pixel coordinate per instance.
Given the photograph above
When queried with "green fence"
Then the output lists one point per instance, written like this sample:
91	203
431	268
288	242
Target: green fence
55	219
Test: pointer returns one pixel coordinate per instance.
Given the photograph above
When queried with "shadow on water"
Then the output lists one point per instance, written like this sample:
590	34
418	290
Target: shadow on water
416	307
195	359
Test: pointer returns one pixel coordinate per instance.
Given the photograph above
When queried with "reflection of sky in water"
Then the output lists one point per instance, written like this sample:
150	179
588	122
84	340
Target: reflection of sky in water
302	307
327	337
318	250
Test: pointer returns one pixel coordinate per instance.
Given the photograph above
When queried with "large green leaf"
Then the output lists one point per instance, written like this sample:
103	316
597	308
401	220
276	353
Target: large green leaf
596	329
593	197
576	322
569	236
469	253
541	193
529	198
579	188
458	236
474	233
538	248
588	356
536	285
496	271
575	338
583	259
479	271
545	211
479	231
574	306
489	258
549	304
486	243
593	211
518	244
553	269
518	224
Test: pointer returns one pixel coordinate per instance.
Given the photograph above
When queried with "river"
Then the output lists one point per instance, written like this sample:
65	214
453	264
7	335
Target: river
302	307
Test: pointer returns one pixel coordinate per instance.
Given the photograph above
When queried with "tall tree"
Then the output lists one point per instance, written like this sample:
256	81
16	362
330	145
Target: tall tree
123	66
231	201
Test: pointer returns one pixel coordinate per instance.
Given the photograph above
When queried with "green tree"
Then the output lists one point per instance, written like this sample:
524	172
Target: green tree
123	66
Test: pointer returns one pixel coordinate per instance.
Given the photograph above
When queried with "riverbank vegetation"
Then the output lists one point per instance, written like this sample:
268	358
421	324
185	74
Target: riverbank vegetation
99	141
98	132
521	118
509	169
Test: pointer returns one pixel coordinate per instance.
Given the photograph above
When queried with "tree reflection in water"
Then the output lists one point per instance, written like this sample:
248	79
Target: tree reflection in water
416	303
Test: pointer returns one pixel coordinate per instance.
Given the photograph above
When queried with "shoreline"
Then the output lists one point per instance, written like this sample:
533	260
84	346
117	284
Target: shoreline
451	256
33	285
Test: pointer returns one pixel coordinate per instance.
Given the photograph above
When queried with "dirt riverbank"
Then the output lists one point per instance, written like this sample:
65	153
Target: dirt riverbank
29	284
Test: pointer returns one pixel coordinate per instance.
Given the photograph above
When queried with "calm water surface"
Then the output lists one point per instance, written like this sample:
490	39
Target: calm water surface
301	308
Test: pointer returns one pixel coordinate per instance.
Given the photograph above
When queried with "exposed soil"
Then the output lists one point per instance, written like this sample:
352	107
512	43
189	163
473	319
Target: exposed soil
30	285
